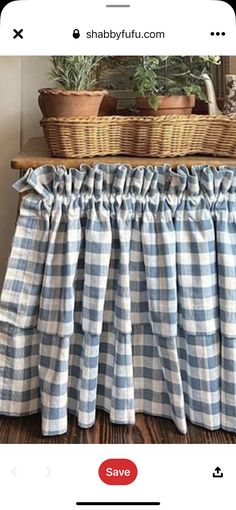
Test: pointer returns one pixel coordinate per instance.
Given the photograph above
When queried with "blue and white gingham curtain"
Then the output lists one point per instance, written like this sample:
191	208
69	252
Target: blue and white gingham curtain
120	294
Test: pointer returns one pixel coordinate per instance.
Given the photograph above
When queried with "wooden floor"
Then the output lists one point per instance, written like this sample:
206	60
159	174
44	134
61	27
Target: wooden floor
148	430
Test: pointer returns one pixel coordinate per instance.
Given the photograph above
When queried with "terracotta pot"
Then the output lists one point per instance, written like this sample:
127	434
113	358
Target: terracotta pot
167	105
108	105
66	103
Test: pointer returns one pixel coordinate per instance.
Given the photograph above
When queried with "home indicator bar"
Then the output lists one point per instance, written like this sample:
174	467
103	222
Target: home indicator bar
123	503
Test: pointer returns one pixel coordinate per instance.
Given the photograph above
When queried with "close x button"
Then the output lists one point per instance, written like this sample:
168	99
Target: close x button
18	33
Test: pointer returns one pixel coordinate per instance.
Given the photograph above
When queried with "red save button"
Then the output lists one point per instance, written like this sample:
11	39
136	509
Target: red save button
118	471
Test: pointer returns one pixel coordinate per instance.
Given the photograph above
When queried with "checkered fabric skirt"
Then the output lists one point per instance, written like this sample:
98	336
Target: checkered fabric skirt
120	294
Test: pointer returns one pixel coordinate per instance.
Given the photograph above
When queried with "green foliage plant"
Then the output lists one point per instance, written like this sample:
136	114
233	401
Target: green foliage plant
74	73
172	75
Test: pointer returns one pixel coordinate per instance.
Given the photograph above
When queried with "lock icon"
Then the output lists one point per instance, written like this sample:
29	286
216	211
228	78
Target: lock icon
76	33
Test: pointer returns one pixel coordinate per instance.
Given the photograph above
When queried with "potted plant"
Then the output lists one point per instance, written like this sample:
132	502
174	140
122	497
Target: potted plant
75	95
115	75
168	85
108	105
109	102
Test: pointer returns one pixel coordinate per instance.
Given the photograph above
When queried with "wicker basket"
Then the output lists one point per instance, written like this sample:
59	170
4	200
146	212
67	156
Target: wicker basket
168	136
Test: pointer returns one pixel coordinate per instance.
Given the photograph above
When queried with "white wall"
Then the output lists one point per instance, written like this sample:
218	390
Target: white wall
34	77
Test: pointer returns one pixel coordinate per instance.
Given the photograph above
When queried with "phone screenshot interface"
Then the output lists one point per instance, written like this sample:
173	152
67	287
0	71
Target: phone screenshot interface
117	255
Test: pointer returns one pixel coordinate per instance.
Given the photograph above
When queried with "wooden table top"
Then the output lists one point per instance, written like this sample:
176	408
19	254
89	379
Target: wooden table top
35	153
